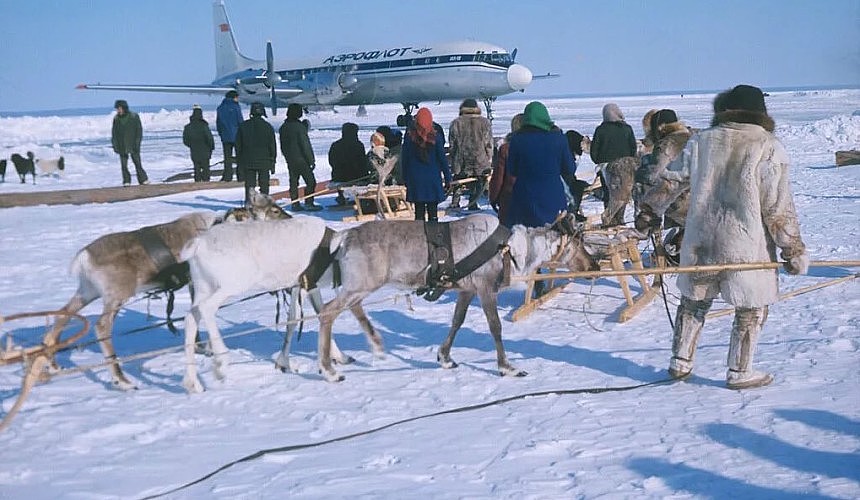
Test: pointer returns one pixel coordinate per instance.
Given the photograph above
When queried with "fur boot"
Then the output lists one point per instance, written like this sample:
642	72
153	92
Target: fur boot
688	324
745	330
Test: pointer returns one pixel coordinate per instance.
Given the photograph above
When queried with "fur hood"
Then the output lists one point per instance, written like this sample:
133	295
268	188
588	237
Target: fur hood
763	120
670	128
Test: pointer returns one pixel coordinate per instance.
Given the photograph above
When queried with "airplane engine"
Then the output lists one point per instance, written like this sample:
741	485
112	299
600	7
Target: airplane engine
326	88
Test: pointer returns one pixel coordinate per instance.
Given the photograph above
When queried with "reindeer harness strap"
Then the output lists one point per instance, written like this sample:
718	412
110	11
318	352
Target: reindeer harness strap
443	273
320	261
171	275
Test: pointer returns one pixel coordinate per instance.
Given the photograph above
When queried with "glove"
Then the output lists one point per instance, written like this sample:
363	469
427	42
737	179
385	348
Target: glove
799	264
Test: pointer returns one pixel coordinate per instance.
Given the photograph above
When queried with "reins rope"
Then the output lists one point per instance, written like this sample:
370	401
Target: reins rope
460	409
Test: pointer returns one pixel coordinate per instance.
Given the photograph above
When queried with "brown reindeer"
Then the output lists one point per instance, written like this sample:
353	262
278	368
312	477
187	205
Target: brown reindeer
117	266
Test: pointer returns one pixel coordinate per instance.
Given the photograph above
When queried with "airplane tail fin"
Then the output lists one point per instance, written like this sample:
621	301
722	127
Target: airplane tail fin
228	59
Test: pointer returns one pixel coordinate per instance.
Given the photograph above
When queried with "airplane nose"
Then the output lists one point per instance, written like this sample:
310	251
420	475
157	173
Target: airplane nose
519	77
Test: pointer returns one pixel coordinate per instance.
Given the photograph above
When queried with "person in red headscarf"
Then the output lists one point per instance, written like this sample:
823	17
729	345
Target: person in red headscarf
426	172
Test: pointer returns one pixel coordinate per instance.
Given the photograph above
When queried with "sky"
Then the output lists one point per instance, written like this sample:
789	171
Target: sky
77	438
614	46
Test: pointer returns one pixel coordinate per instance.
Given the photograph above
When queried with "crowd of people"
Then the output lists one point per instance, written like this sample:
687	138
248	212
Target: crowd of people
724	190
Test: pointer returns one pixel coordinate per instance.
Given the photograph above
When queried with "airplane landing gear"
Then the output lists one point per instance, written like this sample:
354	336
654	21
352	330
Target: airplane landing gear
488	104
406	118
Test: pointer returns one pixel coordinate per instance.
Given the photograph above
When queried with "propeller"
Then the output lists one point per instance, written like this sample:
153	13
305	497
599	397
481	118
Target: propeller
272	77
514	54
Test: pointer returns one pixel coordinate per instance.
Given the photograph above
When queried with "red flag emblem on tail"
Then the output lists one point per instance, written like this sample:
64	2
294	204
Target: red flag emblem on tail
224	27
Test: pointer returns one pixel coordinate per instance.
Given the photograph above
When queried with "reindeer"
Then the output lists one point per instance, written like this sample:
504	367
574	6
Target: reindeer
232	259
382	252
117	266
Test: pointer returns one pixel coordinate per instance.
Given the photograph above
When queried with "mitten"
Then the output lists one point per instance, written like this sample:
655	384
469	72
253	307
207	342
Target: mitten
799	264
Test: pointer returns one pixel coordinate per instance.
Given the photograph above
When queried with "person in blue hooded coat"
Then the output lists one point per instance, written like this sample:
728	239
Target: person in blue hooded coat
538	157
425	168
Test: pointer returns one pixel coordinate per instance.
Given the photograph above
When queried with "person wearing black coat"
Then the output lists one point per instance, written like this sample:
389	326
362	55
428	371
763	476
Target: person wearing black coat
197	136
347	159
256	149
613	139
297	150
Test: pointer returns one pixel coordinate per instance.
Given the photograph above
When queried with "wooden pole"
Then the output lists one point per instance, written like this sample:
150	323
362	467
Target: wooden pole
788	295
747	266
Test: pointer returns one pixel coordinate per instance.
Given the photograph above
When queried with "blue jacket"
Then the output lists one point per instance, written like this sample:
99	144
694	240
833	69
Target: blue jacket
537	159
423	179
228	119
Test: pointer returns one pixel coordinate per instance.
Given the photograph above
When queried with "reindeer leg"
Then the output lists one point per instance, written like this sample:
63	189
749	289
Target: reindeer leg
489	304
373	337
283	361
327	315
207	309
336	354
75	304
444	355
104	330
191	381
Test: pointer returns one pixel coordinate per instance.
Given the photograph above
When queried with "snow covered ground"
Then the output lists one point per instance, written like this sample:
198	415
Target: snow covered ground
78	438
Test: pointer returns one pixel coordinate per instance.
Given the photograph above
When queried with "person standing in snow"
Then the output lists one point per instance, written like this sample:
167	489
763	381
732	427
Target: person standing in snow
297	150
348	161
741	210
470	139
425	166
613	139
227	121
197	136
256	149
126	135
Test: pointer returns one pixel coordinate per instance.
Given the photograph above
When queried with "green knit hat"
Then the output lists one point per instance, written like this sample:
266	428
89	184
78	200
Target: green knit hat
536	115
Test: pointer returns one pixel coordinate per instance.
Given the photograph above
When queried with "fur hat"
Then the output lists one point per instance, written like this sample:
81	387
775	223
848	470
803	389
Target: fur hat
120	103
294	111
257	109
470	107
612	113
662	117
745	97
377	139
231	94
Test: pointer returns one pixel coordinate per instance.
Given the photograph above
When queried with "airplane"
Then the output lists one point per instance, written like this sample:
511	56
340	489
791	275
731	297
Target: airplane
404	74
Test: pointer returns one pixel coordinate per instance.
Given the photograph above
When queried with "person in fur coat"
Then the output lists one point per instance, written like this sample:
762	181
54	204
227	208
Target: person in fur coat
672	198
470	138
741	210
502	183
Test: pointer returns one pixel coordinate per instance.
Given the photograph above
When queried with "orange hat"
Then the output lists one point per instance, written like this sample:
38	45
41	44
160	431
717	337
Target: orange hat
377	139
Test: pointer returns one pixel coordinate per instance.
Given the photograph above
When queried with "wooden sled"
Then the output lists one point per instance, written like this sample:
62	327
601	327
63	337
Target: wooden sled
392	203
847	158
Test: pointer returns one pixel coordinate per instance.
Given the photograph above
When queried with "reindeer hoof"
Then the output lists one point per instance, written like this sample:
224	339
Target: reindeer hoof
332	376
124	385
344	360
192	386
512	372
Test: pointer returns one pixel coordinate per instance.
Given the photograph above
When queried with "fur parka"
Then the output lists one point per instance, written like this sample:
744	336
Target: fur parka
471	144
741	208
670	139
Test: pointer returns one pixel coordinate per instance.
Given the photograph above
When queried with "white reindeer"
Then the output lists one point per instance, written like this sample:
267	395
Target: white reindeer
229	260
117	266
381	252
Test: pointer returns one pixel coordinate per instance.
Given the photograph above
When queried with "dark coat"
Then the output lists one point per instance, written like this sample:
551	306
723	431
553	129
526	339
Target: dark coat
126	133
295	144
347	157
228	119
612	140
538	159
255	144
197	136
423	178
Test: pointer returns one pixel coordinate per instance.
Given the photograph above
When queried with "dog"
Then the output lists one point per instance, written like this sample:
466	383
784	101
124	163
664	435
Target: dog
24	166
51	167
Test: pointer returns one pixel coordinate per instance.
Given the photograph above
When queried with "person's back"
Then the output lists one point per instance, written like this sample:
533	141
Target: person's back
297	151
470	139
346	156
197	136
613	138
538	157
228	117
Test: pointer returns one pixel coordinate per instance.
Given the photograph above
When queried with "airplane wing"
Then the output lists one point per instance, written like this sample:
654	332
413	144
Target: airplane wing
180	89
